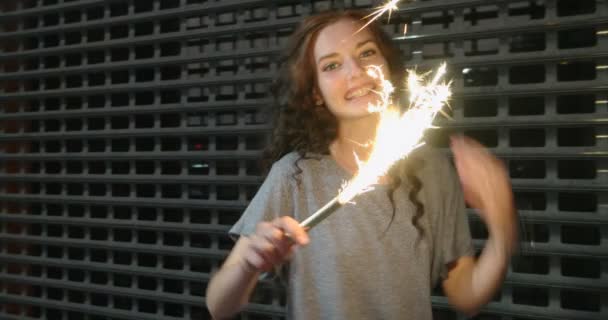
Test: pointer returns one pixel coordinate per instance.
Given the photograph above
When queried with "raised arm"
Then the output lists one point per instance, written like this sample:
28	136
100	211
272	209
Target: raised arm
471	282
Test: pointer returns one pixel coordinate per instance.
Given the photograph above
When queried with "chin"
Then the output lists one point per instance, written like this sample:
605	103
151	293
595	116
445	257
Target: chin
363	103
355	114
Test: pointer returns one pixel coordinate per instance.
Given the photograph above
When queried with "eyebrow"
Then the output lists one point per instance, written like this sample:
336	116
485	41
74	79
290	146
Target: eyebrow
359	45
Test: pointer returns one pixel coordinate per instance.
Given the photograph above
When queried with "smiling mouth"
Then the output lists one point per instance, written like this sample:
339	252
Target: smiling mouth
360	93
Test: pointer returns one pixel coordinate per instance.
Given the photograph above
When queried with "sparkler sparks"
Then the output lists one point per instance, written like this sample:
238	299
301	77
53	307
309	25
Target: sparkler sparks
397	133
389	6
426	100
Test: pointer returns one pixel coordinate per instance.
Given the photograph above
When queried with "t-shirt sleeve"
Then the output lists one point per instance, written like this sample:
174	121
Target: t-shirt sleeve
453	235
273	199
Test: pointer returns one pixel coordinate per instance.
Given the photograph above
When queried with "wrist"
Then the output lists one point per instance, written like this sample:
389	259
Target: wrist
503	240
501	223
247	267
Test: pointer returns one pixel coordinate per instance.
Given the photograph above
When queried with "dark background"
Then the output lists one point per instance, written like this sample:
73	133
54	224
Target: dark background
131	132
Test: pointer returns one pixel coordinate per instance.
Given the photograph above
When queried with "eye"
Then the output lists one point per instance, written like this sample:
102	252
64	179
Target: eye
330	66
368	53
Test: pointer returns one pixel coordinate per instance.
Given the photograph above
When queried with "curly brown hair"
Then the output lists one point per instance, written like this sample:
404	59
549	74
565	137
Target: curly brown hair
303	126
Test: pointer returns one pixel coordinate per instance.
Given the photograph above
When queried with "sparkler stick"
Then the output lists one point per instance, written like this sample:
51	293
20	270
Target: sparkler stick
321	214
426	100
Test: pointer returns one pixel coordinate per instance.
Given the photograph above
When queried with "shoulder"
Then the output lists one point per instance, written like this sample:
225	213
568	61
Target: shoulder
285	163
283	167
435	169
431	160
302	172
294	163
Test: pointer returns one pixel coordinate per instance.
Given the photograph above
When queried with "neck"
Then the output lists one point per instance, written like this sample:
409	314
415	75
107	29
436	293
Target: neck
354	138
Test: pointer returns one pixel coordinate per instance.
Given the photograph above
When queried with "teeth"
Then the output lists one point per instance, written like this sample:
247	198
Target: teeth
359	93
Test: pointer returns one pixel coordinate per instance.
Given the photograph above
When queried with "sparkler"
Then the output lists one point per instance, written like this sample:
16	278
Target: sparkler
426	100
396	136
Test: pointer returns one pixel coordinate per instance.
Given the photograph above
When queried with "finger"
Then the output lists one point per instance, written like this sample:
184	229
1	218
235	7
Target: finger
277	237
273	234
266	250
293	228
255	262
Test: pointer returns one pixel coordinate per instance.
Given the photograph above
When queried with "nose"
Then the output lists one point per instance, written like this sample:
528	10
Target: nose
356	68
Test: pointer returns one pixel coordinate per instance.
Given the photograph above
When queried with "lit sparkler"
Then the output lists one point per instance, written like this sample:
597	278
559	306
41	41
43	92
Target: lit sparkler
396	136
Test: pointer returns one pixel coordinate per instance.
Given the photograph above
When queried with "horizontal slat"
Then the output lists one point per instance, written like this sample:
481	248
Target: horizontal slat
244	53
548	249
477	32
116	313
263	26
118	201
557	249
455	62
133	270
544	121
541	121
135	178
555	217
6	316
528	312
180	12
557	282
578	87
564	217
547	120
135	133
82	4
115	245
238	79
191	155
250	78
504	153
503	59
559	185
212	106
214	229
518	184
110	290
184	275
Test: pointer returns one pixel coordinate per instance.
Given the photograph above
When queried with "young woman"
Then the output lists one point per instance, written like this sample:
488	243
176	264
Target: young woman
380	258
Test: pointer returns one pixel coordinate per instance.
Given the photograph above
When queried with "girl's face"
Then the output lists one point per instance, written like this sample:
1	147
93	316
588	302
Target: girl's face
341	60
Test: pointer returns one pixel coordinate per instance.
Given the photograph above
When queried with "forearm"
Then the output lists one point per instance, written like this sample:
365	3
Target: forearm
230	288
473	282
490	268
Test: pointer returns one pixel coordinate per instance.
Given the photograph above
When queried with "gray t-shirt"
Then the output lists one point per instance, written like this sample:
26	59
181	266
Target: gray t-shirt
354	267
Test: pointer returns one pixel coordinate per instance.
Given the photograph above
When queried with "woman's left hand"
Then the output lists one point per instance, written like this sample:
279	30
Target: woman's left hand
485	183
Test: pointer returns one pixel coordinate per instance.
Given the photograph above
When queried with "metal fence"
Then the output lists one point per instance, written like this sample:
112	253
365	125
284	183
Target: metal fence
131	131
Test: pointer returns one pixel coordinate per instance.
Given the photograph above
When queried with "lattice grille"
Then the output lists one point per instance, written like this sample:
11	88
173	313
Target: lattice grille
131	131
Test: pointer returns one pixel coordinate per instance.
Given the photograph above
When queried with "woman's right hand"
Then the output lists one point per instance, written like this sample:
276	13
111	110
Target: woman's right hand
272	244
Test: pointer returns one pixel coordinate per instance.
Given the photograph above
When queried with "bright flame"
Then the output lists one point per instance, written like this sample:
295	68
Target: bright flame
387	89
389	6
398	134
